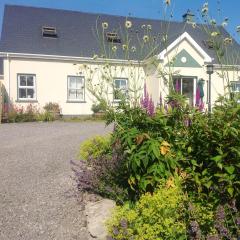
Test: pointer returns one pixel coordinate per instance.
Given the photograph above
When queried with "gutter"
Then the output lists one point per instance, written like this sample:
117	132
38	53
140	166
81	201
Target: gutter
68	58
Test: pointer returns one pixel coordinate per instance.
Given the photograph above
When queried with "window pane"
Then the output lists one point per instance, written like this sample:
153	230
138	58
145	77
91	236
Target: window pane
237	87
30	93
72	94
23	81
72	82
79	82
79	95
22	92
187	89
123	83
30	81
117	83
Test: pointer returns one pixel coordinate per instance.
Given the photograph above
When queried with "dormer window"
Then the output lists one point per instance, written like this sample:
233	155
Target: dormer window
113	37
50	32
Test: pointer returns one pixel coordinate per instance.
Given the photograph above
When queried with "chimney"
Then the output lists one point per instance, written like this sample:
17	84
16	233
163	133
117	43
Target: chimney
188	17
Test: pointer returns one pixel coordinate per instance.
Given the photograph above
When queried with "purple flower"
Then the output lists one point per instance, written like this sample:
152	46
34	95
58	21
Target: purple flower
123	223
177	86
147	102
238	221
195	230
115	231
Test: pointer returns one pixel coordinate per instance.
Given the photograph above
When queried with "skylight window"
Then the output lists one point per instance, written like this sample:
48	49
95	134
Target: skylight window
49	32
113	37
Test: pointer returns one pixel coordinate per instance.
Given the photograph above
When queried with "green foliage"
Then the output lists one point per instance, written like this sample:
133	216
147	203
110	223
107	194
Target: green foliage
52	107
95	147
98	107
155	216
46	117
214	159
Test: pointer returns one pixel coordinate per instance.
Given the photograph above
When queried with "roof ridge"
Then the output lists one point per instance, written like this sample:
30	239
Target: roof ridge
93	13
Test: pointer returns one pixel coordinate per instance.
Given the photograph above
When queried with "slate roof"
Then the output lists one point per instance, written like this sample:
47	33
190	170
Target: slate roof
1	66
21	32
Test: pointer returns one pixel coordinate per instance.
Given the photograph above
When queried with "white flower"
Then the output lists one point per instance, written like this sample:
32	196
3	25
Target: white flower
227	41
194	25
213	21
114	48
133	49
205	8
168	2
128	24
143	26
238	28
104	25
145	38
224	24
124	47
149	27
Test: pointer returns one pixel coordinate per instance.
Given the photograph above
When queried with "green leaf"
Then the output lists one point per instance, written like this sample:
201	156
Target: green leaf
230	191
230	169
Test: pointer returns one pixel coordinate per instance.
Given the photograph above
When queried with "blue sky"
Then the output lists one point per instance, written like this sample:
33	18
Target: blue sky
139	8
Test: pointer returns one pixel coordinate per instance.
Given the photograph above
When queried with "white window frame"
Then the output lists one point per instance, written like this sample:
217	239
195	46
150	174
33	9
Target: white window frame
19	75
234	83
114	87
75	89
194	85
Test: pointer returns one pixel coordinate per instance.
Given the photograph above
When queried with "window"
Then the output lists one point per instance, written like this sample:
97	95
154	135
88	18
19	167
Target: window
113	37
49	32
26	87
120	88
185	86
76	88
235	87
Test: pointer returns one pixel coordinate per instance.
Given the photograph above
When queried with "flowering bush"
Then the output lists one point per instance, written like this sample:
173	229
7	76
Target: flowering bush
21	114
155	216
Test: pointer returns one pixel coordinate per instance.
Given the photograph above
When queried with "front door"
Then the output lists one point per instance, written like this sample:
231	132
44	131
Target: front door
186	86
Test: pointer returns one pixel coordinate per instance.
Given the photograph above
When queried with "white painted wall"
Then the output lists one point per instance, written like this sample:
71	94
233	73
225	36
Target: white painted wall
51	81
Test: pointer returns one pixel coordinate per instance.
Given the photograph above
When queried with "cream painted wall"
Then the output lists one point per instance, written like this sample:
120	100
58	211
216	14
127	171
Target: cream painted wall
157	83
51	81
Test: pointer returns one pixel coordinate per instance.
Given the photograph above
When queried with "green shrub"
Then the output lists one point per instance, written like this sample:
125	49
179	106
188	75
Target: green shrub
46	117
155	216
52	107
213	161
94	147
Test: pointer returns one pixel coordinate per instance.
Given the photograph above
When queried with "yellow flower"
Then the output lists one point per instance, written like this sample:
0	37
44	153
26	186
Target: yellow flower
114	48
145	38
105	25
164	148
128	24
170	183
214	34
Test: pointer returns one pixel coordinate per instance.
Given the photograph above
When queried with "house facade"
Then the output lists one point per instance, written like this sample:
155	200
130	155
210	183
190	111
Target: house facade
45	53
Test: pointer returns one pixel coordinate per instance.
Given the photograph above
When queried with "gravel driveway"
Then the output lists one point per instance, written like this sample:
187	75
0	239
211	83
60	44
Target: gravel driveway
36	190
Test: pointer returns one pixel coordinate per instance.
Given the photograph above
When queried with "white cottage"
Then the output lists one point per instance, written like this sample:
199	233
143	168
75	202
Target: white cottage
40	48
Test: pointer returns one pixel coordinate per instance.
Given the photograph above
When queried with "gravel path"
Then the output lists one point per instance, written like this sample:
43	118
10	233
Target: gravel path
36	190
